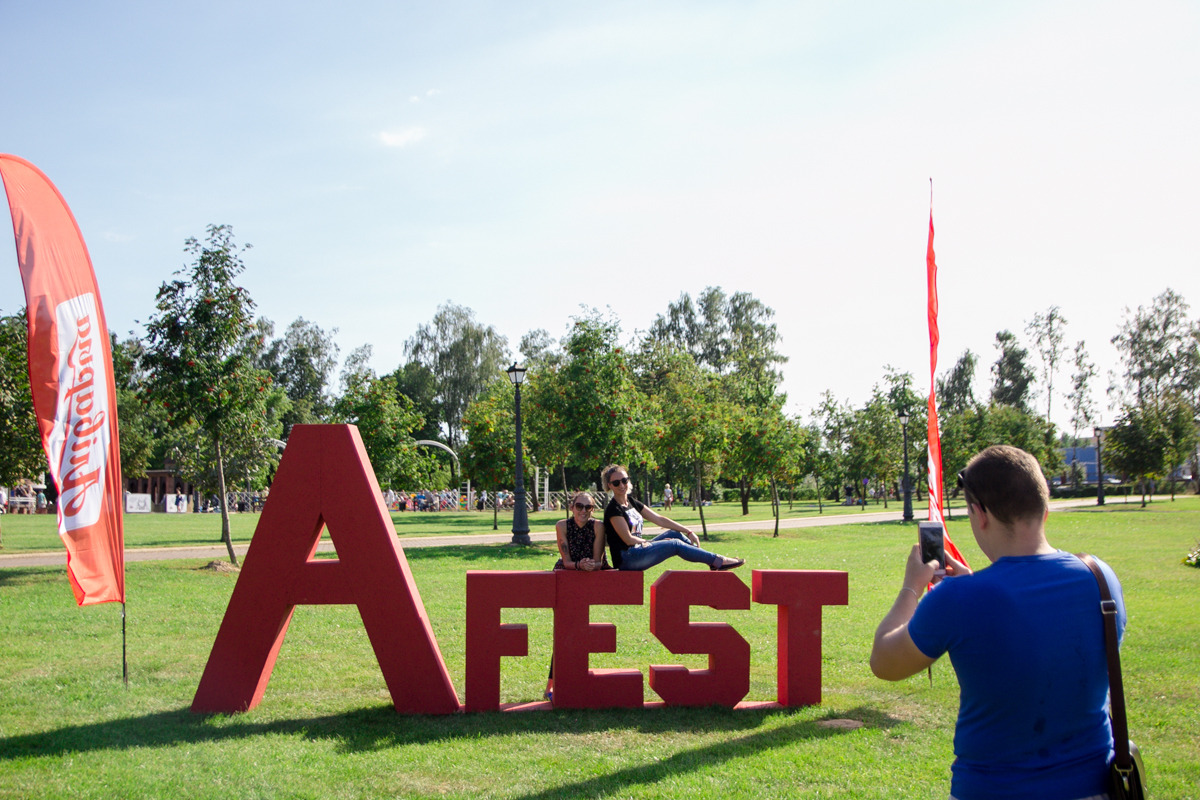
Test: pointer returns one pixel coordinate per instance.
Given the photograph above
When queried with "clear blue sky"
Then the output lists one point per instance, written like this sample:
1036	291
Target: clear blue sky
523	158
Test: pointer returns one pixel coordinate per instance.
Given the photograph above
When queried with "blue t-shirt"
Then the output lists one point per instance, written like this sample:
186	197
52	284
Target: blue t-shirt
1026	638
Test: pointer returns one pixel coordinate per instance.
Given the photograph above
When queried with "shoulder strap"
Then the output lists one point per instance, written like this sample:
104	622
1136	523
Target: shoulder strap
1116	687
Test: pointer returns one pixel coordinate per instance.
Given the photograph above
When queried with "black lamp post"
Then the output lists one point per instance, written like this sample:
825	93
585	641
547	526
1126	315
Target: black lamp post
908	513
1099	468
520	526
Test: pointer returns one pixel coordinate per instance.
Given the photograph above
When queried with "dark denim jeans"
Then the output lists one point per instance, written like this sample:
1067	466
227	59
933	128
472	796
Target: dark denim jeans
662	547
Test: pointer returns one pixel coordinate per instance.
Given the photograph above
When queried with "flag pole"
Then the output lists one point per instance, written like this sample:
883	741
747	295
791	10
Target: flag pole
124	660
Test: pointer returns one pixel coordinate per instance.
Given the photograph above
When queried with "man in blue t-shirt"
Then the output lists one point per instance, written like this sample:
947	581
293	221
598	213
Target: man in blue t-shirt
1025	637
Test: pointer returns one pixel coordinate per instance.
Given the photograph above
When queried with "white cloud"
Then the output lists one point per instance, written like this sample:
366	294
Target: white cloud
403	137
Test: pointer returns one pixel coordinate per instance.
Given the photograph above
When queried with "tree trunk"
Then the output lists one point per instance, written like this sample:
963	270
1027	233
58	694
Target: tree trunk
700	501
224	502
775	505
744	490
495	509
566	500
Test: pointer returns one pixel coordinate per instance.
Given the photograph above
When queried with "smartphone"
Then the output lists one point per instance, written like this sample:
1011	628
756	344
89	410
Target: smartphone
931	536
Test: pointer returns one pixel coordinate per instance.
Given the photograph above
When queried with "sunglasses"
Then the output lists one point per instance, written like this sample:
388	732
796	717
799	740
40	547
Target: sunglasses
966	487
582	507
620	481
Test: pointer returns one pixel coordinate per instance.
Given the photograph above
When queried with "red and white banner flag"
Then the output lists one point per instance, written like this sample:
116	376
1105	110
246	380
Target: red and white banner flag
936	505
70	374
934	436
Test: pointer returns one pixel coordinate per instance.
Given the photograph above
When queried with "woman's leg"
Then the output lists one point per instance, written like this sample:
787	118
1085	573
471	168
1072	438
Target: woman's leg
662	547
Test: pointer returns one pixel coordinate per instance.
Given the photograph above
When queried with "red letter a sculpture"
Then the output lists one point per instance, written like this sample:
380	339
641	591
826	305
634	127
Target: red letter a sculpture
325	480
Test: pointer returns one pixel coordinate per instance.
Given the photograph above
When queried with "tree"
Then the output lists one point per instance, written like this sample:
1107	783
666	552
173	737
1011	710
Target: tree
385	421
199	362
464	357
1083	408
1012	378
143	425
955	392
1136	446
1047	333
489	456
416	382
832	419
1159	351
21	454
301	362
693	421
601	409
724	334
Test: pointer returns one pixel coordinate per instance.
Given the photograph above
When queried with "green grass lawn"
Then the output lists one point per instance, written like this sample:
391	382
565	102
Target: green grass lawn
25	533
68	728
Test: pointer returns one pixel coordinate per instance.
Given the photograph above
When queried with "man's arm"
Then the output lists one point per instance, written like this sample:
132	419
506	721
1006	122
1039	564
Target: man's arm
894	655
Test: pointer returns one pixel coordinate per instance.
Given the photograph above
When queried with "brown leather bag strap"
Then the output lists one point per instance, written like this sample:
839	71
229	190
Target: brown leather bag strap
1116	687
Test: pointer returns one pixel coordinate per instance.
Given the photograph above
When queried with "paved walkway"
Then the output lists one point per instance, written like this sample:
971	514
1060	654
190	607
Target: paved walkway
218	551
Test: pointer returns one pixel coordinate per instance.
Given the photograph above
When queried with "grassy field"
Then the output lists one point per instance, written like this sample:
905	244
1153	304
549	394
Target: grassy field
25	533
68	728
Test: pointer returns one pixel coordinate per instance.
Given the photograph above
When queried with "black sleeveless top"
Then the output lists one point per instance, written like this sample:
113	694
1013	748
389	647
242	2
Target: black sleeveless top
579	542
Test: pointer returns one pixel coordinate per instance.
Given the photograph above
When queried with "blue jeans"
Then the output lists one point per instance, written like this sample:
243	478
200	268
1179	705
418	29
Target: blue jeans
662	547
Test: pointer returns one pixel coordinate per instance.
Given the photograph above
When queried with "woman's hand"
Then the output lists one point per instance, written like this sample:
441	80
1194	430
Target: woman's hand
693	538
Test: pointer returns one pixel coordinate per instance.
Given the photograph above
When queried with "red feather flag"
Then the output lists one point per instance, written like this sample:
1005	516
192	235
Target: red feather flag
934	436
70	374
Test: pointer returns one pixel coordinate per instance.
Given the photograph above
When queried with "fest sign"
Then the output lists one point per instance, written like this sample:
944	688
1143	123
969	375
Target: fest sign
325	482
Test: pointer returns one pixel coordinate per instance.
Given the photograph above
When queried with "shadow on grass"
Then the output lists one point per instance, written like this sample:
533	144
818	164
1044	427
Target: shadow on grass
381	728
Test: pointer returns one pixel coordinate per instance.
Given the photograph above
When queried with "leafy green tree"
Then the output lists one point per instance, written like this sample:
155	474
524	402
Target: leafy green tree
1159	351
1013	379
1083	408
464	357
955	392
301	362
725	333
602	411
385	420
1046	330
200	362
833	420
1136	446
693	426
758	447
416	382
489	456
21	454
143	425
544	426
1179	425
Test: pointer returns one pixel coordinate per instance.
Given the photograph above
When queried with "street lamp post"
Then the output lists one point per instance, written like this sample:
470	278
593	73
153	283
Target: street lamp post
1099	469
908	512
520	526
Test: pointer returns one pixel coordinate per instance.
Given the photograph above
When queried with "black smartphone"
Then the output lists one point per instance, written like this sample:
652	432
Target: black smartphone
932	538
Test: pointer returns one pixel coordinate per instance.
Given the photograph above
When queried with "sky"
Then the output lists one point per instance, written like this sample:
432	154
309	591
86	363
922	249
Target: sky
532	159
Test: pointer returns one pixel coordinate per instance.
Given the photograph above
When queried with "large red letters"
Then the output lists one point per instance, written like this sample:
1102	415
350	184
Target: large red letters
325	481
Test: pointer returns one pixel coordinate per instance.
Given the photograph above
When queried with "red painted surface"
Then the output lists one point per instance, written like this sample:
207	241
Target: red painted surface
325	482
576	686
487	638
727	679
799	594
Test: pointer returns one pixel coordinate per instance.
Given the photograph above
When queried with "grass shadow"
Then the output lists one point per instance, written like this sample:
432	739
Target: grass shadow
381	728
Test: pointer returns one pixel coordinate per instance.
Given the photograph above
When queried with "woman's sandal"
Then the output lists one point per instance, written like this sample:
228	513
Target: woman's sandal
737	562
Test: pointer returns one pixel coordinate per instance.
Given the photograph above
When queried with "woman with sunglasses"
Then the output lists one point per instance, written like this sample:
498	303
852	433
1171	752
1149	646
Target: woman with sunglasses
623	519
580	537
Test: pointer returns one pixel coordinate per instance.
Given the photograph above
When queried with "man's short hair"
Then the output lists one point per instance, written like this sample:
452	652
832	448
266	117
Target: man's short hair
1008	482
